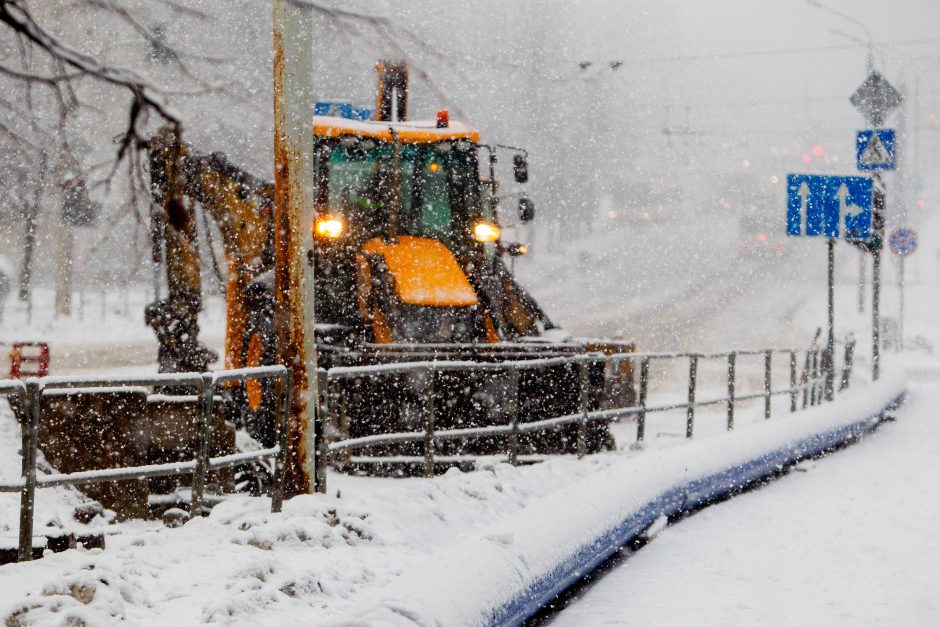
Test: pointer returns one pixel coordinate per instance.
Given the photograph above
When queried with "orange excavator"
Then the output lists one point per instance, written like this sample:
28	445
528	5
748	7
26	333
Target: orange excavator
408	265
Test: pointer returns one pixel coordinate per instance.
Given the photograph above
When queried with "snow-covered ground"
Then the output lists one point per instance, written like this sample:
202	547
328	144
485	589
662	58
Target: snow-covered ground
325	554
849	539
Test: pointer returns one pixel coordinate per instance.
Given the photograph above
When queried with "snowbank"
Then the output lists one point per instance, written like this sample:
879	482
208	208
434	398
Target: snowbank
505	573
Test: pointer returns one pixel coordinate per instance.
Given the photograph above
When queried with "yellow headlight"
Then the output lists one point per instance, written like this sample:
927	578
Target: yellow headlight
328	226
485	232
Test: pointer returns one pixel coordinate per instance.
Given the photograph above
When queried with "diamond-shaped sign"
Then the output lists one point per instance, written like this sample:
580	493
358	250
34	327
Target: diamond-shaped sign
876	98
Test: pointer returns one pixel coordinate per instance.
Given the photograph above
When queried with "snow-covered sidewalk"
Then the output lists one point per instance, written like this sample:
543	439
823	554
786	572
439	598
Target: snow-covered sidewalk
850	539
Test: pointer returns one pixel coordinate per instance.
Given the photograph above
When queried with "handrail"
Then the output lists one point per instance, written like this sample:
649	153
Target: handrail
810	383
30	393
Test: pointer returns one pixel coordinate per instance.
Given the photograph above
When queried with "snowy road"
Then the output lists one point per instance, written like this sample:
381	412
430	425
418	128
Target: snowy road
693	291
846	540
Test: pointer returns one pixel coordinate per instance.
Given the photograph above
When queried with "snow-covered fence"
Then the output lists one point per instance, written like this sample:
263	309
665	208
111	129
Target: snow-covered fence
815	382
30	395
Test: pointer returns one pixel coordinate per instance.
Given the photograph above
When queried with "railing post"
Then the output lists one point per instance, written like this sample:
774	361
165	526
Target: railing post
583	403
644	385
814	396
732	357
321	448
768	355
513	401
847	364
429	427
280	462
793	381
28	493
690	409
204	431
805	379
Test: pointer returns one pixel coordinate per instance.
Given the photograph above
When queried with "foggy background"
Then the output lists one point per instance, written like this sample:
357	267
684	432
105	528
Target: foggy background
652	128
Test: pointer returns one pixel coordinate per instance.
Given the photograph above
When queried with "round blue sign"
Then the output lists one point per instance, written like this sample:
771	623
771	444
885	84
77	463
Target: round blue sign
903	241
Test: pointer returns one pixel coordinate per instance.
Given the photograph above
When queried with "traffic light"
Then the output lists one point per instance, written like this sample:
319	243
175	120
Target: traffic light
876	242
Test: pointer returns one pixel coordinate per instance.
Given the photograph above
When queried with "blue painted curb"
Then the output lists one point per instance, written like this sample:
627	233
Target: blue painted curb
683	497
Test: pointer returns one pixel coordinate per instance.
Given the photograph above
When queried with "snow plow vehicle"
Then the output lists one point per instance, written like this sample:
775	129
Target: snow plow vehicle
408	265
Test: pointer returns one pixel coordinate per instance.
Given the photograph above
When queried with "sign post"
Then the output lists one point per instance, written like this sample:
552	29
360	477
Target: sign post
879	207
903	242
875	99
830	207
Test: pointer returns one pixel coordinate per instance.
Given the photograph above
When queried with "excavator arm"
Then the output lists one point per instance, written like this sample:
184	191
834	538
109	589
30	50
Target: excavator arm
241	206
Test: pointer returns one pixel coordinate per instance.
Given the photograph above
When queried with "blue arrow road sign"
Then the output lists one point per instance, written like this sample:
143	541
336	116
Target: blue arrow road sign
829	206
874	149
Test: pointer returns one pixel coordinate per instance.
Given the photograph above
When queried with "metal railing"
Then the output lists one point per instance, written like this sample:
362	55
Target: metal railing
804	388
810	382
30	394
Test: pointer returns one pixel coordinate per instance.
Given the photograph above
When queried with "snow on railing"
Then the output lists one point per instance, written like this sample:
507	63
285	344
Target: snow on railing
30	393
815	383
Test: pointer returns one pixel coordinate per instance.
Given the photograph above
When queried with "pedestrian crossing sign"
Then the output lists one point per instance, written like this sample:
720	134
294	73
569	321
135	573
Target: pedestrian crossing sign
874	149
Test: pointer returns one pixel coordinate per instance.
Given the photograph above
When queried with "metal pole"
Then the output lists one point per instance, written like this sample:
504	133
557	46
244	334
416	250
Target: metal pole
429	427
805	379
321	447
28	494
847	364
732	357
829	360
878	202
767	382
861	281
901	305
514	416
690	409
644	385
280	462
583	400
815	387
204	429
875	314
793	392
293	239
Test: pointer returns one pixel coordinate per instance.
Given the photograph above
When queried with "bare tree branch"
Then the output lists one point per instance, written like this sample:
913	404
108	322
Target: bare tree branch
35	78
15	14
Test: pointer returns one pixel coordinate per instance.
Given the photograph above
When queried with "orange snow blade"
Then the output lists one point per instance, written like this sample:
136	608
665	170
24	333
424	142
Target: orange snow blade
425	272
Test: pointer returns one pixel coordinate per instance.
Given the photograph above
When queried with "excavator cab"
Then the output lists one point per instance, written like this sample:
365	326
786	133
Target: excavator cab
437	193
396	211
408	248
